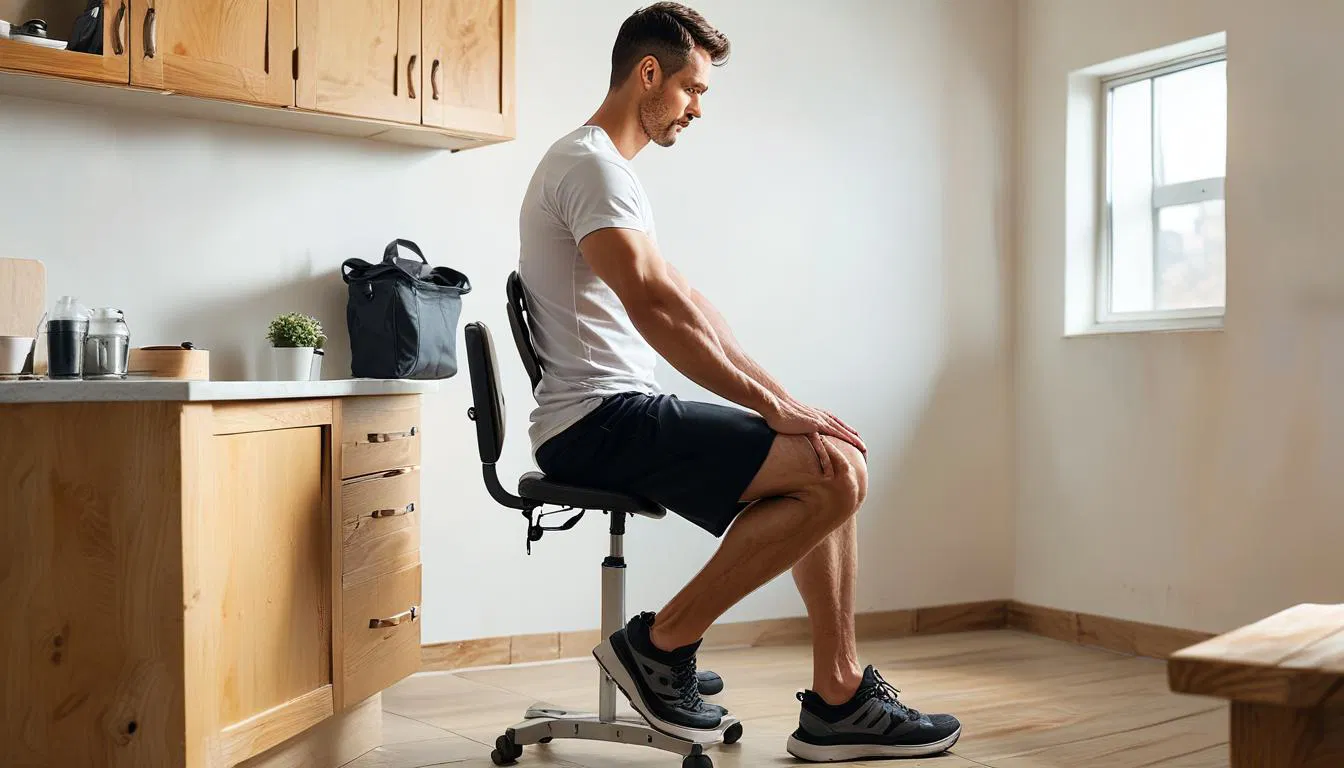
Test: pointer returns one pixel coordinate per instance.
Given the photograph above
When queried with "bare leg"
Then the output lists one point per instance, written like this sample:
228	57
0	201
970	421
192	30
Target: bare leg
826	579
797	509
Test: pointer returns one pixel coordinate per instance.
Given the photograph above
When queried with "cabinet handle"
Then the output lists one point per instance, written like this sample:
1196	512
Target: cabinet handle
434	78
387	437
151	33
400	618
119	31
410	75
408	509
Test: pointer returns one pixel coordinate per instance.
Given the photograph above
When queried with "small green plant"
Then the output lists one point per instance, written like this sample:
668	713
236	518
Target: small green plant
294	329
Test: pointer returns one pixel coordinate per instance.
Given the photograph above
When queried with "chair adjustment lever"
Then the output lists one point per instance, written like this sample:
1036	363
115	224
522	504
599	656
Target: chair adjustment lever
535	529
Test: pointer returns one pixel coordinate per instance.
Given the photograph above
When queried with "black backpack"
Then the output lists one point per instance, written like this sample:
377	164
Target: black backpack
87	36
402	315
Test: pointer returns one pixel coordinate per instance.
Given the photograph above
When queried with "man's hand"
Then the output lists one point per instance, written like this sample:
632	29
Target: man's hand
790	417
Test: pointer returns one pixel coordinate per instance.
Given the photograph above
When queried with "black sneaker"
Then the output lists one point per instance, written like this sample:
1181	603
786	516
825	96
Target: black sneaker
872	724
661	685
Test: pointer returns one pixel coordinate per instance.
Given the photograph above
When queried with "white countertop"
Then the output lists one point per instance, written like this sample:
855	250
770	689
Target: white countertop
130	390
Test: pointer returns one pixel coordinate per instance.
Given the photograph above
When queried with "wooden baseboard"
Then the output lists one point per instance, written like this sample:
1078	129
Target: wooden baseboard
497	651
1117	635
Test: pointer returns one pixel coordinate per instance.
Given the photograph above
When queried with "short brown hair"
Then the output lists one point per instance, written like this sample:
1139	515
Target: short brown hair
668	32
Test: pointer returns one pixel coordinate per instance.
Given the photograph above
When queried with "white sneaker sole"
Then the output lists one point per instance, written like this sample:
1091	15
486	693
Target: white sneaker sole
611	663
846	752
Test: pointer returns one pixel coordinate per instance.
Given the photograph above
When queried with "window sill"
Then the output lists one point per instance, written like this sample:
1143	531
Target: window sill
1155	325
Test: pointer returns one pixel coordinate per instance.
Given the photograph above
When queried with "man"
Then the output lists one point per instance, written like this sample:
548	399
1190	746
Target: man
781	479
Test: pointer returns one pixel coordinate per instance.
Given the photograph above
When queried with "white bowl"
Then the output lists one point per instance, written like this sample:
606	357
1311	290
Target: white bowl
13	354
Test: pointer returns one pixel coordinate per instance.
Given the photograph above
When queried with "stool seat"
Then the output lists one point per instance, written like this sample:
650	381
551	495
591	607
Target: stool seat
535	485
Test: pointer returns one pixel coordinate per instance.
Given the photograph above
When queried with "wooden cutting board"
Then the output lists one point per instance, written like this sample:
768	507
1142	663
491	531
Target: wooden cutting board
23	296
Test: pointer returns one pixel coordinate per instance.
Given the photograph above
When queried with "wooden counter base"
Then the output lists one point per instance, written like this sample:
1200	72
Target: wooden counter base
172	576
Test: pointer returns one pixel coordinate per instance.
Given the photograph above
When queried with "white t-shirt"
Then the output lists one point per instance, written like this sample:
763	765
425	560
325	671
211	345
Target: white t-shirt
588	346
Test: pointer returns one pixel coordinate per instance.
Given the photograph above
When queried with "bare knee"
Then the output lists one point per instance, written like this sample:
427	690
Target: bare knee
847	486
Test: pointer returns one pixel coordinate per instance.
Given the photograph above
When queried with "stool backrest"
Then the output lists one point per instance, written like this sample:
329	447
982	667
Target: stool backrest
487	397
522	335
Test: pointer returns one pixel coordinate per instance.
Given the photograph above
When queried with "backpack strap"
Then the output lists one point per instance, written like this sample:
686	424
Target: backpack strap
390	253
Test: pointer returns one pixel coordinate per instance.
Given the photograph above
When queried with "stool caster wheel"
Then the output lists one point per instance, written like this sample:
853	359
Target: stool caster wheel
733	734
546	740
697	761
506	752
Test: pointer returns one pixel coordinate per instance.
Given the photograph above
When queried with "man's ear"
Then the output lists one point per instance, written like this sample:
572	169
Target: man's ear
649	72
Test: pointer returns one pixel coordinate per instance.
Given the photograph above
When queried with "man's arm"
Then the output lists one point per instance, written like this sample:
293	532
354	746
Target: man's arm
668	318
750	367
731	347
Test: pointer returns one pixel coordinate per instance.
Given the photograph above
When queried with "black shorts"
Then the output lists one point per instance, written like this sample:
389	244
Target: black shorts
694	458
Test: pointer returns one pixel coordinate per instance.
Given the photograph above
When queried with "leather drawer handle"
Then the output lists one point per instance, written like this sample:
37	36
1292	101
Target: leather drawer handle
400	618
408	509
387	437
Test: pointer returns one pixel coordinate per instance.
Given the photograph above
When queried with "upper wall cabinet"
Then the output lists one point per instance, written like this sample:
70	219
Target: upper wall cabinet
436	73
469	47
113	65
241	50
360	58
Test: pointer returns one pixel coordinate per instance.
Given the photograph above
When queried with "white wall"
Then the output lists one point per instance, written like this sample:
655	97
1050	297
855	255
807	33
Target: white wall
1190	479
845	200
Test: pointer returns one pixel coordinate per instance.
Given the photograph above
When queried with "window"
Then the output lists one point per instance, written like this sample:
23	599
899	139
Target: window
1162	254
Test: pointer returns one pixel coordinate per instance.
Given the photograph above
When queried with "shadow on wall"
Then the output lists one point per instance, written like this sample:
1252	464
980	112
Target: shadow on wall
951	486
320	295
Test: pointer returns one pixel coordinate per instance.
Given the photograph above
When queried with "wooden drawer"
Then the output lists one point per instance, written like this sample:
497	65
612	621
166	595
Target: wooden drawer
379	433
380	525
381	633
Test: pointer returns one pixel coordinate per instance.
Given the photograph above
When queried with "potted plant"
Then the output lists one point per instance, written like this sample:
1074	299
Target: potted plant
293	336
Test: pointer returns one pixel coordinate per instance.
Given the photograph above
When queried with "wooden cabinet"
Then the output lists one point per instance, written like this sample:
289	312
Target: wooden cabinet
112	66
436	73
469	47
201	584
241	50
360	58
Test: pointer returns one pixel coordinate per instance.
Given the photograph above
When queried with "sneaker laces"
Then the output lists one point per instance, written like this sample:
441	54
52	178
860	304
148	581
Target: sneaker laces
890	695
688	683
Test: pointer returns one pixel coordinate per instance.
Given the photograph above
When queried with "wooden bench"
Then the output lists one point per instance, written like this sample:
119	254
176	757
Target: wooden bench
1285	678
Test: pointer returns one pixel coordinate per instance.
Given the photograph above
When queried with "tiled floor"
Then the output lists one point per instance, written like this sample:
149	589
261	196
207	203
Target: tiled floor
1025	702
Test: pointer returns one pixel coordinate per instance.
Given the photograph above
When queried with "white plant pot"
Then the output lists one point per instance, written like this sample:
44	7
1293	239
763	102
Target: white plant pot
291	363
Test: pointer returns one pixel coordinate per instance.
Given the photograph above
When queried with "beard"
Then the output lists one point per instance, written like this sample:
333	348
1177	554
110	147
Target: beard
657	121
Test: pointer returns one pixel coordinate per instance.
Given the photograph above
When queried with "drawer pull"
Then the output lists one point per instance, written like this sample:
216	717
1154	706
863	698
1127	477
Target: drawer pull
400	618
151	33
387	437
394	512
119	31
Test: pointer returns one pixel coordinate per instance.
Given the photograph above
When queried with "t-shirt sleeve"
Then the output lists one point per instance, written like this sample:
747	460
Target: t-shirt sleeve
598	194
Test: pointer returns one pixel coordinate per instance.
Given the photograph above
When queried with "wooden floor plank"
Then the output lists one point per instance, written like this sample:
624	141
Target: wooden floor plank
1025	702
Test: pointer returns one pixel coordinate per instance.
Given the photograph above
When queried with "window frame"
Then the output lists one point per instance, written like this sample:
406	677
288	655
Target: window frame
1163	196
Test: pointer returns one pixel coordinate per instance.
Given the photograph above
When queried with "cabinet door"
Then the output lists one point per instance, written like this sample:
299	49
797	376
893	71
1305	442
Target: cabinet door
469	50
112	66
360	58
240	50
257	584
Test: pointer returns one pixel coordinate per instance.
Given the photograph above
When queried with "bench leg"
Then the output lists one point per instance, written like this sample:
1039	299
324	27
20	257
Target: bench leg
1267	736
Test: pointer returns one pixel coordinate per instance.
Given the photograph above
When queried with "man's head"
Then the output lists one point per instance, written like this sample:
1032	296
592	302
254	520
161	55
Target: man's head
663	54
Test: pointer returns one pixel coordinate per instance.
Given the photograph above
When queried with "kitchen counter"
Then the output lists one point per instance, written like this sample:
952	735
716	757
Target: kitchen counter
206	574
173	390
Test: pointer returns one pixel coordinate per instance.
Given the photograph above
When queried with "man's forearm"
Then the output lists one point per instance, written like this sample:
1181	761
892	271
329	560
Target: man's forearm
733	350
680	331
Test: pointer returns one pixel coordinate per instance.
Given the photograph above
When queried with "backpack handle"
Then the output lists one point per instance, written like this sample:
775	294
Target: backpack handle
390	253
